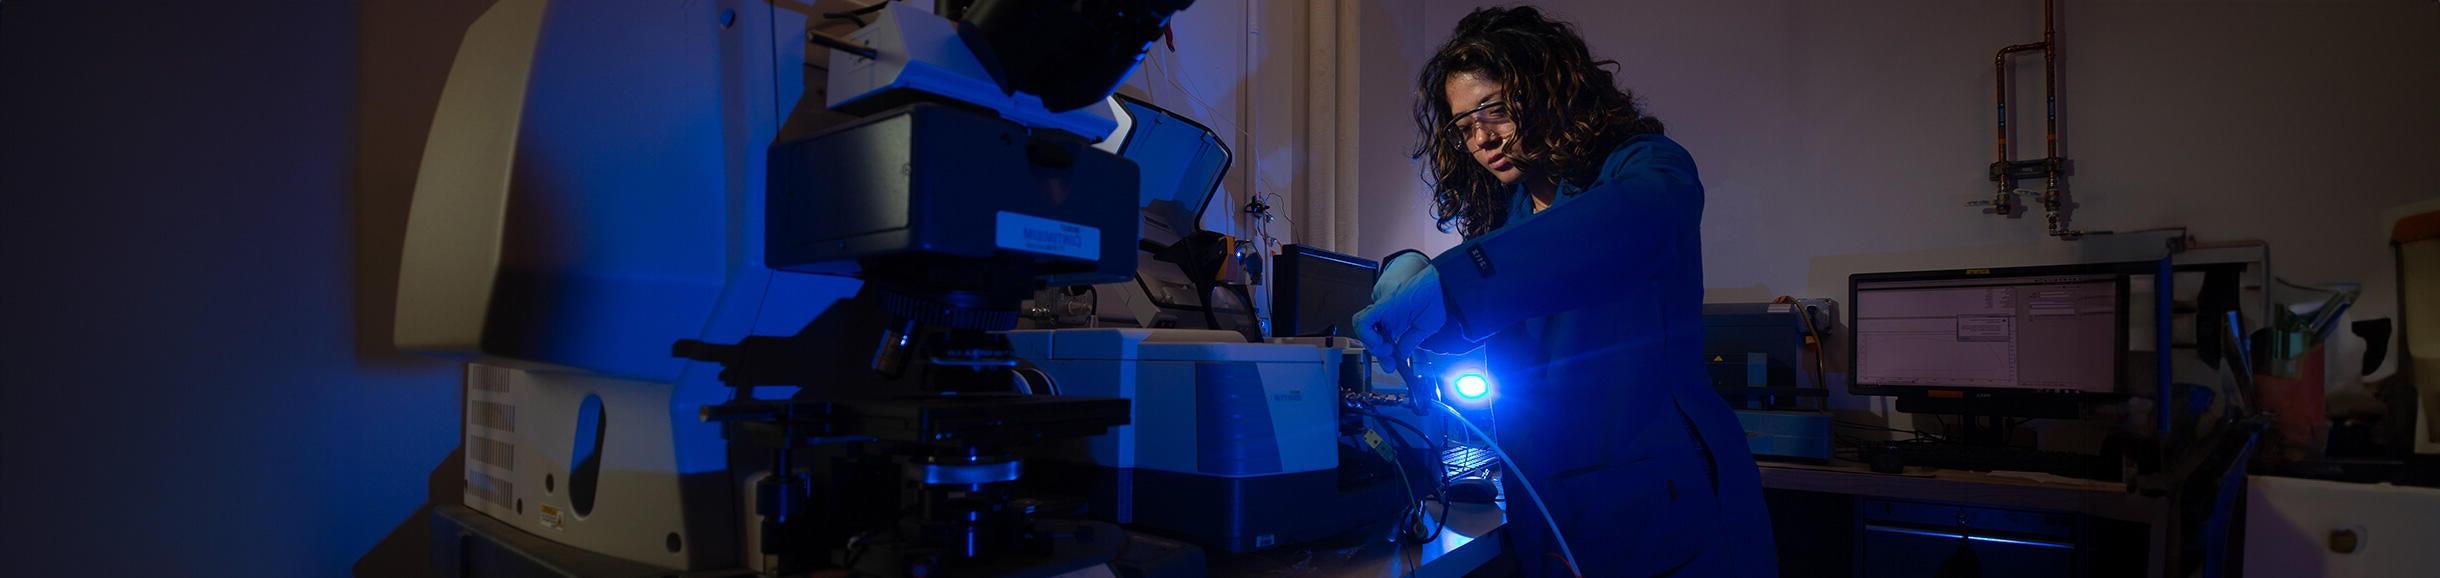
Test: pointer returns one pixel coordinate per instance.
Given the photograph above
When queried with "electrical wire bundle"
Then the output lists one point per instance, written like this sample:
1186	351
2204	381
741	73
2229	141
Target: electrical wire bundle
1412	518
1410	525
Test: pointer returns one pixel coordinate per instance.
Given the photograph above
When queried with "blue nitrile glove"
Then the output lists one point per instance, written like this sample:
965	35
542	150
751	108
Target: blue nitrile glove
1401	320
1401	267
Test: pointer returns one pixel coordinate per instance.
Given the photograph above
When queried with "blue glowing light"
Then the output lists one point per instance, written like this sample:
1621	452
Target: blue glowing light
1473	386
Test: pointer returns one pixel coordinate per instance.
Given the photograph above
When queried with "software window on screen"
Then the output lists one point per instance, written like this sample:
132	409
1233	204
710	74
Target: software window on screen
2046	333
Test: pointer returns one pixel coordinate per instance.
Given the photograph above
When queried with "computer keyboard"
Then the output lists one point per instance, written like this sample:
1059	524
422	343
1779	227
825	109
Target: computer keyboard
1461	461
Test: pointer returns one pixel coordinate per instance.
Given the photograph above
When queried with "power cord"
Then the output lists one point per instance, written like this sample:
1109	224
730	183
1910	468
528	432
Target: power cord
1531	494
1440	493
1813	340
1411	518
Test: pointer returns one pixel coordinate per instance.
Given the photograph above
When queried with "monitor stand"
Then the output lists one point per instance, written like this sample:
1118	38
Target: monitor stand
1981	430
1981	444
2029	406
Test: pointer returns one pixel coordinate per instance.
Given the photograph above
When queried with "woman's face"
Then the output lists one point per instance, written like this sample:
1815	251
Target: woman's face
1481	131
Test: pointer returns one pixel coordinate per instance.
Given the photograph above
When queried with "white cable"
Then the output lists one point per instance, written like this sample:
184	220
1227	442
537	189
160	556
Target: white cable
1530	494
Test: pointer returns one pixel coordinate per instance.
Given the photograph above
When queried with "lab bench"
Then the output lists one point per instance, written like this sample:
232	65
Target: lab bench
1469	544
1843	519
1834	519
468	543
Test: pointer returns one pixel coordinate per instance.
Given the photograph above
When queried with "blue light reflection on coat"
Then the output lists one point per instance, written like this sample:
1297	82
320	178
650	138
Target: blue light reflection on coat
1592	313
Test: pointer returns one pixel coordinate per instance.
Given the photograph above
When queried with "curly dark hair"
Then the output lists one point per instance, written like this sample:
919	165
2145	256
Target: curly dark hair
1568	109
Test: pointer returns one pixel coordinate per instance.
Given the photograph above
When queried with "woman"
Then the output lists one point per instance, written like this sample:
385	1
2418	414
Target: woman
1582	272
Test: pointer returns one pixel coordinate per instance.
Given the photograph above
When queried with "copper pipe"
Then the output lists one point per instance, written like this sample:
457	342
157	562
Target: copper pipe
2001	199
2052	198
2050	131
2003	196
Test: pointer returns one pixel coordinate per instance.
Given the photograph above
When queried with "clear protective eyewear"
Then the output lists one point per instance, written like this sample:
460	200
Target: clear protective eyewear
1488	116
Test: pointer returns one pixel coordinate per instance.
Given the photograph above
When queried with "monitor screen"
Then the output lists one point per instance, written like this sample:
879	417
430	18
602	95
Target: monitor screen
1319	292
2033	333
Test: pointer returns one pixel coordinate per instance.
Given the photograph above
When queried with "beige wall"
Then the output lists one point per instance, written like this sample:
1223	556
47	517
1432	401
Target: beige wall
1829	133
1396	214
1238	67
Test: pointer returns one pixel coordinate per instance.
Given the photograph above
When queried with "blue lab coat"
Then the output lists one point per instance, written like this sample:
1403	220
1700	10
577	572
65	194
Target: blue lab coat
1592	313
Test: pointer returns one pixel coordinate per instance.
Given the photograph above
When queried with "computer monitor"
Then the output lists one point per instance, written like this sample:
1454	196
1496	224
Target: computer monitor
1319	292
2030	333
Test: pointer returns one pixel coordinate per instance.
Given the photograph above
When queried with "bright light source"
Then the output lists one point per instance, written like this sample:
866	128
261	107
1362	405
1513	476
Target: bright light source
1473	386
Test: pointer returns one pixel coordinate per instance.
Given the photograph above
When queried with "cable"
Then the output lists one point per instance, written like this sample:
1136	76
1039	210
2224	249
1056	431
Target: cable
1394	421
1401	469
1283	215
856	14
1399	466
1440	491
1917	433
1415	505
1813	341
1259	215
1523	482
833	42
1156	65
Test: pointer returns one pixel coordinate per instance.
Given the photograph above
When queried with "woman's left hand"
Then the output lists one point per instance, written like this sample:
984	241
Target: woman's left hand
1397	323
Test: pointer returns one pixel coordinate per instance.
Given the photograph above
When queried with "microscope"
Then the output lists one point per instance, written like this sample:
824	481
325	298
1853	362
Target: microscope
702	336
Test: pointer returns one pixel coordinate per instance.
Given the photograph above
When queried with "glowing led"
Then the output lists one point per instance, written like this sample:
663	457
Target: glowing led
1472	386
